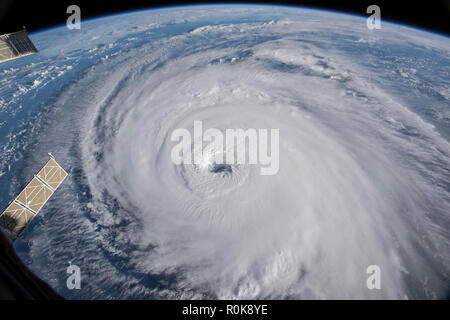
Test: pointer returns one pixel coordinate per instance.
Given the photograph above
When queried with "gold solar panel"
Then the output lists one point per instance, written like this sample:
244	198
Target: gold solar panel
32	198
15	218
52	174
16	44
35	195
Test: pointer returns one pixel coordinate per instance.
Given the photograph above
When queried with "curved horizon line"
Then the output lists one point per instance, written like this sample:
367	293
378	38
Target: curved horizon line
237	4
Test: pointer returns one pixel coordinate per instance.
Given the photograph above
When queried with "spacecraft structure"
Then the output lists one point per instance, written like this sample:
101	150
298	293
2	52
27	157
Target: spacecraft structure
32	198
15	45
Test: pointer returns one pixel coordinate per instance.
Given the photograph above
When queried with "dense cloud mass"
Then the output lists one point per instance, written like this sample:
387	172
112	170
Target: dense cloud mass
363	174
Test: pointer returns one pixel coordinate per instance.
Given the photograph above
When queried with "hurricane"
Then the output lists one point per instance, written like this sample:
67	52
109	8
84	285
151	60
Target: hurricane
364	155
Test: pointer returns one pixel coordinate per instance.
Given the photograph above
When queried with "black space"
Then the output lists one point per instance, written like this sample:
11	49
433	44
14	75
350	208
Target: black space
432	15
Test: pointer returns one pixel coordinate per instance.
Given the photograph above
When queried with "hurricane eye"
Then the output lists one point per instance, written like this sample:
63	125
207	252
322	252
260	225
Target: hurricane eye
219	168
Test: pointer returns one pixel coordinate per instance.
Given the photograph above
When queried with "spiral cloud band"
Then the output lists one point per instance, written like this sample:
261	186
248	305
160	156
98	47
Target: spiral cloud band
238	147
362	177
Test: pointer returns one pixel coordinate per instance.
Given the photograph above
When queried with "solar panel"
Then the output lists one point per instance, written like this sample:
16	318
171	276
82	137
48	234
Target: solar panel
32	198
52	174
35	195
13	45
15	218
